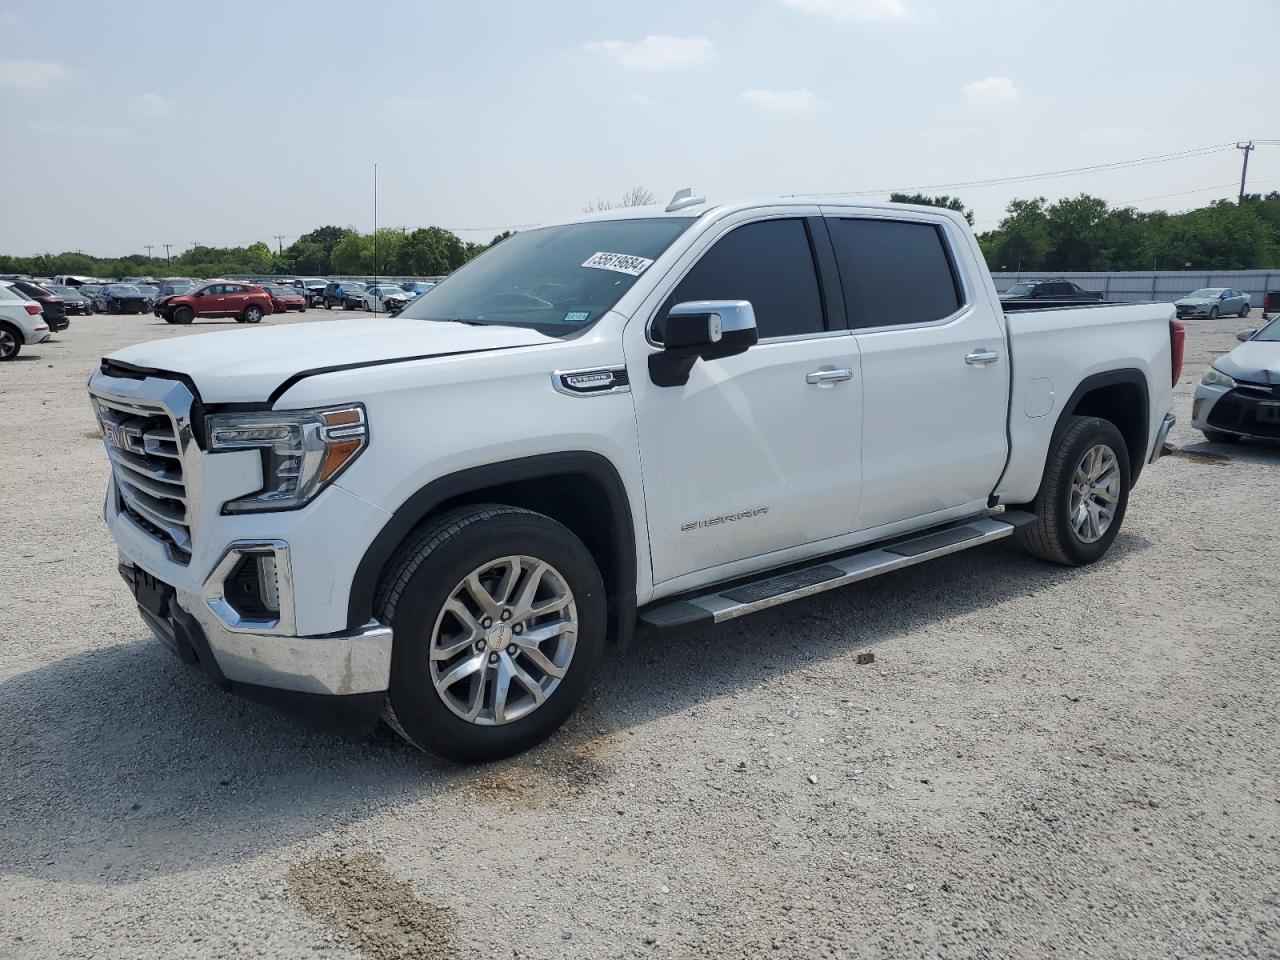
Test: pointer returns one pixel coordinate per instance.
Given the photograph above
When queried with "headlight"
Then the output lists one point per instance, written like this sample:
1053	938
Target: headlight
1213	377
302	451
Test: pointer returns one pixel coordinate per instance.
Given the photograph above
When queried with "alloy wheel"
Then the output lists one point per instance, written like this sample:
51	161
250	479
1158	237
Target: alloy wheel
503	640
1095	493
8	344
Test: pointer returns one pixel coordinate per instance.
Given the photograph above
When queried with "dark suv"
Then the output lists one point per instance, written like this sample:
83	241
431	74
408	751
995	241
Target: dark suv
51	305
344	294
1058	289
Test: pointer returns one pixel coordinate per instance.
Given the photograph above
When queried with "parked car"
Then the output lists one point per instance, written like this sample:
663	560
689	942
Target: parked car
168	290
312	288
416	287
285	298
1057	289
345	294
385	298
52	305
671	419
21	321
1212	302
73	301
248	303
1239	393
121	298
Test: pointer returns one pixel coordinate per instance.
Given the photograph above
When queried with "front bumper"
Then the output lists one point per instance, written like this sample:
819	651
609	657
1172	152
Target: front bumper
1247	410
336	681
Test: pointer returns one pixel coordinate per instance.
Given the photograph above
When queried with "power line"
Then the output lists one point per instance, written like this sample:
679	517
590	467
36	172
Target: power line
1025	178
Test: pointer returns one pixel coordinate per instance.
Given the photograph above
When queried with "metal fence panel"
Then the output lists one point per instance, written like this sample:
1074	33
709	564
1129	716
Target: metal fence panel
1158	285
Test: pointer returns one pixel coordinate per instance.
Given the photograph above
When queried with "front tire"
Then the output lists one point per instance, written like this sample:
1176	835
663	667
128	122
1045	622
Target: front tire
183	315
499	620
1083	496
1213	313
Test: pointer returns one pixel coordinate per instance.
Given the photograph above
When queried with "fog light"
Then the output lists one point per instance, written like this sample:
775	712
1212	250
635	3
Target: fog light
1196	408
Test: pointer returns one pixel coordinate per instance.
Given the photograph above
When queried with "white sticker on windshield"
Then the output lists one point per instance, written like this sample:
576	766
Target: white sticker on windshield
576	317
619	263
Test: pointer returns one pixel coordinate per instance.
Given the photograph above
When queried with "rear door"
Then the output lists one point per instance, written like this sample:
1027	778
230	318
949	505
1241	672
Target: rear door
935	374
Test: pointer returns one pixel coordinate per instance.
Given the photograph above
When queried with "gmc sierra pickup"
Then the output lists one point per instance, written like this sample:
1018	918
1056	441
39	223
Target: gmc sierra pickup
665	417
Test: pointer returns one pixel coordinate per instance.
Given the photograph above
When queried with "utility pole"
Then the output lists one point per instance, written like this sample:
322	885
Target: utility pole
1244	169
166	252
194	244
148	247
279	242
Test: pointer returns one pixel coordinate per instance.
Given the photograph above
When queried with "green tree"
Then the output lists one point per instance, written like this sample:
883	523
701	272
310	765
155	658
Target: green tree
943	200
1022	240
353	254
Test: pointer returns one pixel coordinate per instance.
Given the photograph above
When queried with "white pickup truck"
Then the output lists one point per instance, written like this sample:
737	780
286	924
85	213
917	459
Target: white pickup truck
666	417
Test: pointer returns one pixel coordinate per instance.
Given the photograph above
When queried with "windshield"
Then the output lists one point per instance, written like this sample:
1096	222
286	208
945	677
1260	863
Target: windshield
557	280
1208	293
124	290
1270	332
62	291
1021	289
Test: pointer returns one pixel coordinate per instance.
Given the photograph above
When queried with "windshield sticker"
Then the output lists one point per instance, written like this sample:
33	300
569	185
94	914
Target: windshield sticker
576	317
619	263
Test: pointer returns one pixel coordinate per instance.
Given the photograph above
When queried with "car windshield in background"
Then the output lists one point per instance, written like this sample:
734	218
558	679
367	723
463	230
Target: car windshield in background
124	290
1021	289
557	280
65	291
1208	293
1270	332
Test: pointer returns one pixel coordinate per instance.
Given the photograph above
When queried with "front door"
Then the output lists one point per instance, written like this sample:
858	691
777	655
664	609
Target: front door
758	452
208	302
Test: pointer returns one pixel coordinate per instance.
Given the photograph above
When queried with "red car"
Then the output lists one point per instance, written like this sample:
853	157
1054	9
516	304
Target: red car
247	302
284	299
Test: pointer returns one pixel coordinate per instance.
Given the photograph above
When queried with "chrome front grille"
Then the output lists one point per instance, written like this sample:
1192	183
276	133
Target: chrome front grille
142	443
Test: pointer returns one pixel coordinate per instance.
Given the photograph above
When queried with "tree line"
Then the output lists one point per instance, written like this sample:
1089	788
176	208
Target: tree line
325	251
1076	233
1086	233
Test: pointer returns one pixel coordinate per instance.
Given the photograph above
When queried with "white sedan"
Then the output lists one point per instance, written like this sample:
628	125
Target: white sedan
385	298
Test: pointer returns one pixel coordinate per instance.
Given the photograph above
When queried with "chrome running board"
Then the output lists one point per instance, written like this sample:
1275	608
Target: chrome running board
728	602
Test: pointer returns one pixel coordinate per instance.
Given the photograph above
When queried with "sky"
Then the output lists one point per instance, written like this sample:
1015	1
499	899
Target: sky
133	122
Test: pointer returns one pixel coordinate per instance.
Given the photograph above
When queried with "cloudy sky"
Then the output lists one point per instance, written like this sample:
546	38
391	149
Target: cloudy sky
132	122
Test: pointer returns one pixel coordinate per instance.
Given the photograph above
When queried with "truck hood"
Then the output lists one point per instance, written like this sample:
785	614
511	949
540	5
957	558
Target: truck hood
1257	361
245	366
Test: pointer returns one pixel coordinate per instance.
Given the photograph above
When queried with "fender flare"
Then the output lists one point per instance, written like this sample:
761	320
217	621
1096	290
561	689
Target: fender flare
622	606
1126	375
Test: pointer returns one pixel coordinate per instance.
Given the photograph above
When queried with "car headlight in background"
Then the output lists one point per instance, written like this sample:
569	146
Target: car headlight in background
302	451
1213	377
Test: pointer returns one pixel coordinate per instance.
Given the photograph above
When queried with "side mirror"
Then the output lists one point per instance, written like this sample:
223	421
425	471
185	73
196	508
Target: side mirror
701	330
1245	334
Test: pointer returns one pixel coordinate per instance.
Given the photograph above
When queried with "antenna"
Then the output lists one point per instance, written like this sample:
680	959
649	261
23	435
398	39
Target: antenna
375	230
684	198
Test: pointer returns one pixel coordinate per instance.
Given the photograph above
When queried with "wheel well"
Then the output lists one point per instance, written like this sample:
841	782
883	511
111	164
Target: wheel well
1124	403
580	490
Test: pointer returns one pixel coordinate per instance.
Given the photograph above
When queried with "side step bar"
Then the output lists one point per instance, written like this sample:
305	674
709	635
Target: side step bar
743	597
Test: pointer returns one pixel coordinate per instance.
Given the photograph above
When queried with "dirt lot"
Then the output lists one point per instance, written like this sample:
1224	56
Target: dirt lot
1040	762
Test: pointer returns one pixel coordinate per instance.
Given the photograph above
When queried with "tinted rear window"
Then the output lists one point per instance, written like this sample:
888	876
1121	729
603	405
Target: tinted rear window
894	272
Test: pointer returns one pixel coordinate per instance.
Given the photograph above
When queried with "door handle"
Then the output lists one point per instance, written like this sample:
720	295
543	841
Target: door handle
820	377
982	357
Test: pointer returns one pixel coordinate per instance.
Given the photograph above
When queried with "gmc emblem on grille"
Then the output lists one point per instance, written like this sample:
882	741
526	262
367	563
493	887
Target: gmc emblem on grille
128	439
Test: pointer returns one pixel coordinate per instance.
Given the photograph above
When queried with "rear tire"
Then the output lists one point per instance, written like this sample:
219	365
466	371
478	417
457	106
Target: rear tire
10	342
183	315
1244	311
252	314
1216	436
1080	505
426	598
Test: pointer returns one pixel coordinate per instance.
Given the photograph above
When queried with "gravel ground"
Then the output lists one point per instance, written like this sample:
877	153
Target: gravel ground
1040	762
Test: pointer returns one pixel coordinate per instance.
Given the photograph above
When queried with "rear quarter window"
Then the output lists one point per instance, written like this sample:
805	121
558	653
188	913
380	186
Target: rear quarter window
894	272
